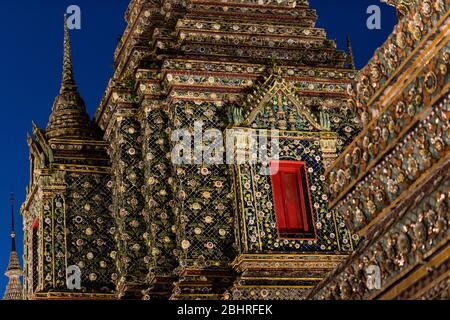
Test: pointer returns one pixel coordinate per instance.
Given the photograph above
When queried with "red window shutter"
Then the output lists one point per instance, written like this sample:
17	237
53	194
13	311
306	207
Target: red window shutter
292	200
279	203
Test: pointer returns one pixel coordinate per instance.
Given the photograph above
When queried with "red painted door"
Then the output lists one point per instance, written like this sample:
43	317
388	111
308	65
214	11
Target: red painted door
291	196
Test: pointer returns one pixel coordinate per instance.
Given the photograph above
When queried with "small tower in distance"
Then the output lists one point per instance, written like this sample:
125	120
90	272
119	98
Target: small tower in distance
13	272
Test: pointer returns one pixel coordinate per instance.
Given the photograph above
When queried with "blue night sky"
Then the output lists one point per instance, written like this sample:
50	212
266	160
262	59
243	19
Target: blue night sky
31	34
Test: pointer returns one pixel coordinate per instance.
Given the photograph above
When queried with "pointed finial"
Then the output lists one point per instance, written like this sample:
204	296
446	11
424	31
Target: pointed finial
13	271
35	127
68	81
351	59
29	139
13	233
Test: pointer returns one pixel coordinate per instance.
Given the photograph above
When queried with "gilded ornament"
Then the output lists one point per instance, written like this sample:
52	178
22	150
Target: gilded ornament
196	206
379	196
401	40
385	134
366	142
430	82
426	157
403	244
365	157
375	75
376	134
365	118
439	5
420	234
443	69
413	167
401	177
392	186
341	178
411	110
400	110
209	219
371	207
356	155
360	217
391	126
426	8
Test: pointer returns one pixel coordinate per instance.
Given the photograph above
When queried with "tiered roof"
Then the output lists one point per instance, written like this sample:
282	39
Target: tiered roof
187	35
69	118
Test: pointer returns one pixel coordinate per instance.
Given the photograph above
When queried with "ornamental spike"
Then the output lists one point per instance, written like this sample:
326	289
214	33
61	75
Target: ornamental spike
68	80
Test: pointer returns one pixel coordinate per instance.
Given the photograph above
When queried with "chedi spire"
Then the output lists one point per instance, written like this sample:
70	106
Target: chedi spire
14	271
351	58
69	119
68	80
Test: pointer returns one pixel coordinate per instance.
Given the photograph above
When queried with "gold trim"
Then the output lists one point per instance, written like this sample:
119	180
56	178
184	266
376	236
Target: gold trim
404	284
432	284
256	209
417	184
404	84
394	143
336	229
243	209
275	287
281	279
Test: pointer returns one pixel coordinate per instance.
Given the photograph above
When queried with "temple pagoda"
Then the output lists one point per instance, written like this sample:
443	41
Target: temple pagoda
359	177
66	214
13	271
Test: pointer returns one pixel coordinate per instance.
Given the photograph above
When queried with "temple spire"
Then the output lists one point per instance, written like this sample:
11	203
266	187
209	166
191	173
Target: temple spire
351	59
68	80
13	233
69	118
13	272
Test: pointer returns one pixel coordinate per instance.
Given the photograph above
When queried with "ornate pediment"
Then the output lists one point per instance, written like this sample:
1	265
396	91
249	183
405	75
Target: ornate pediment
274	104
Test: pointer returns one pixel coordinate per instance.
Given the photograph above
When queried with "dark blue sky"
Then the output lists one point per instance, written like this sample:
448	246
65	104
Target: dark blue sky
30	71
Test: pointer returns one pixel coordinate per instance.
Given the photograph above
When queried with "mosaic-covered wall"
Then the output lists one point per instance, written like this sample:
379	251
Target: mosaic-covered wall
114	202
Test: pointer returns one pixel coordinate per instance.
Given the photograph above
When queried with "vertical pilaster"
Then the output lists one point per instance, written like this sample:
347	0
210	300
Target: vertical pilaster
204	209
52	233
128	204
90	228
159	201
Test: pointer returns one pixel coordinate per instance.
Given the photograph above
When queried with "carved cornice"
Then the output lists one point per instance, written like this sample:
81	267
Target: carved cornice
426	86
400	170
287	261
408	237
